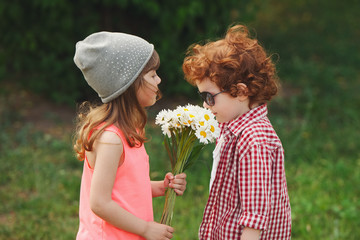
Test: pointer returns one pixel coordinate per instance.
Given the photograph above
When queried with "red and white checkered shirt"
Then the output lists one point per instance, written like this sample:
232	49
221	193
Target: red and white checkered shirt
249	189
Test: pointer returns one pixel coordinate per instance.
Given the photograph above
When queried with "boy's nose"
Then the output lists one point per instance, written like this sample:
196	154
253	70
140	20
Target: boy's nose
205	105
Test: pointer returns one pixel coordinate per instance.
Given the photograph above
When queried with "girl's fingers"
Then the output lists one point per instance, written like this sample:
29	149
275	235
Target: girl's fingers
179	192
178	181
169	176
170	230
180	187
180	176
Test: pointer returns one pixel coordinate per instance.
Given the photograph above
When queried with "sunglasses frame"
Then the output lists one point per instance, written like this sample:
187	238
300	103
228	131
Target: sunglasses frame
209	98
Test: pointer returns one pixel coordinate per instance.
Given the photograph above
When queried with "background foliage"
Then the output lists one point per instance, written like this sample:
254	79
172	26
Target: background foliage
37	44
41	35
315	46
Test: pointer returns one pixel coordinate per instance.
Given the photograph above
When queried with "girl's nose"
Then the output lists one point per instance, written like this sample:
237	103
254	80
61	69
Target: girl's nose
158	80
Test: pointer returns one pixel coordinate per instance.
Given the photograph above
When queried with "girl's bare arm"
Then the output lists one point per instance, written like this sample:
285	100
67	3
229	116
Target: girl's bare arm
101	203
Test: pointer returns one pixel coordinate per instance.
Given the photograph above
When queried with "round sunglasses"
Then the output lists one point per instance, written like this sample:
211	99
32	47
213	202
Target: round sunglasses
208	97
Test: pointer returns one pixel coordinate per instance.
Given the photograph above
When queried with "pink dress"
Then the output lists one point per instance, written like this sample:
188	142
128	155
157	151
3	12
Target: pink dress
132	191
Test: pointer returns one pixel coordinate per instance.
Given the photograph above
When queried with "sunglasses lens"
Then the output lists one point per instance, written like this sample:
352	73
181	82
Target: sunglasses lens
208	98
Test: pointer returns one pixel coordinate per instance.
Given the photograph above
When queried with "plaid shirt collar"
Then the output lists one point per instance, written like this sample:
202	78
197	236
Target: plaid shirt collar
237	125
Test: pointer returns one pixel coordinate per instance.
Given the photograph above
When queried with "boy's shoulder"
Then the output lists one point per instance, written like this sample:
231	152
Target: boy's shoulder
260	132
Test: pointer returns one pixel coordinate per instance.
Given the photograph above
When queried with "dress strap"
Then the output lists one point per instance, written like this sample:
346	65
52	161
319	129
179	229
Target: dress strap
111	128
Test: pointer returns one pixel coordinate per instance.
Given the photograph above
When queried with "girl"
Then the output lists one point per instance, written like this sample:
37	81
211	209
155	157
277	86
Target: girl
116	191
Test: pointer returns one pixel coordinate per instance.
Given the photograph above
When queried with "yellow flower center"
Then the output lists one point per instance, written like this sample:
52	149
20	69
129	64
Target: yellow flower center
192	116
212	128
185	109
206	117
201	123
203	133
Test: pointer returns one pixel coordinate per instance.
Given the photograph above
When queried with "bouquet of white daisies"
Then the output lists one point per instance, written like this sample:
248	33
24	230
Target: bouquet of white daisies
187	129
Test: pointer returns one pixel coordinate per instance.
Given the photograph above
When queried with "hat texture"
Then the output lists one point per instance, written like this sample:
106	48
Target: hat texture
110	62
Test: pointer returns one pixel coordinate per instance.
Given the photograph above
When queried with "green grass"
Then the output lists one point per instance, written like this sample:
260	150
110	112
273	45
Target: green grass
39	186
317	121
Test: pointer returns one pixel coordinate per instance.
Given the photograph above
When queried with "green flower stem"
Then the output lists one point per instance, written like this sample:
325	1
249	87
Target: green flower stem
170	198
182	143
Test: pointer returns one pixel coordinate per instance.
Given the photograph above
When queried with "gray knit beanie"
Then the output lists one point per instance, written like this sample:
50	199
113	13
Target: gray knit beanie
110	62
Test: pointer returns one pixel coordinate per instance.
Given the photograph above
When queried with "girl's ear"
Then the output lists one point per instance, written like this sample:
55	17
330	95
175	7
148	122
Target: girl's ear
243	91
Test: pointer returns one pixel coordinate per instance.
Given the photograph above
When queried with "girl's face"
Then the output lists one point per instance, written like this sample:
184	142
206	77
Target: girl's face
226	107
147	92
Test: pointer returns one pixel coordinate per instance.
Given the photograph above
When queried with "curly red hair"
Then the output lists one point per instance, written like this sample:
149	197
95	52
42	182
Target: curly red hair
237	58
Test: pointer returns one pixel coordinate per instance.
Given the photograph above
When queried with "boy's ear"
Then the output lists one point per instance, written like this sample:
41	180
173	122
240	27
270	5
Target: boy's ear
243	91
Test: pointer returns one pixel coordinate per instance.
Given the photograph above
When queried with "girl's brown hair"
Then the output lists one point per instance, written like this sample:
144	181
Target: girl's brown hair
237	58
125	112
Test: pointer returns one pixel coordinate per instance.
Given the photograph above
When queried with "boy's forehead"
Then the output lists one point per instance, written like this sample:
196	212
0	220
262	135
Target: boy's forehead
206	85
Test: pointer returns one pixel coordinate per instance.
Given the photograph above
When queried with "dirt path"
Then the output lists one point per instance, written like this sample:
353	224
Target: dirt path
56	119
36	111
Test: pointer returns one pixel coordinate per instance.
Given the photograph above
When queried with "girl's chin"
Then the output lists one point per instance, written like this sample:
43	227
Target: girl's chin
149	104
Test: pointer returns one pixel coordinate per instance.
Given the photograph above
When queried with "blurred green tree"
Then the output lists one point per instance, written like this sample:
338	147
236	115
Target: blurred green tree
39	36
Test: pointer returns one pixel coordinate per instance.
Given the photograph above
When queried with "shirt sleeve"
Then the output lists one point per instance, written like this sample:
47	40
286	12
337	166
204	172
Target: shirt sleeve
255	187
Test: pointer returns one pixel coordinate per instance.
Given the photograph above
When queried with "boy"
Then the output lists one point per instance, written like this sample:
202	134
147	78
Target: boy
248	192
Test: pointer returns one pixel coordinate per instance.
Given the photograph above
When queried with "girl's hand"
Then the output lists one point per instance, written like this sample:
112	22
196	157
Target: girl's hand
178	183
157	231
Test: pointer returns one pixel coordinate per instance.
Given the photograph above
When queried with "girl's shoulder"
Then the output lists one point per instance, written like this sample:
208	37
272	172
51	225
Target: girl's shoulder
111	134
109	137
107	143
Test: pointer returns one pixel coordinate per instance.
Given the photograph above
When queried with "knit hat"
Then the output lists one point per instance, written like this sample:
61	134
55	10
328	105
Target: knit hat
110	62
